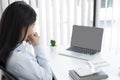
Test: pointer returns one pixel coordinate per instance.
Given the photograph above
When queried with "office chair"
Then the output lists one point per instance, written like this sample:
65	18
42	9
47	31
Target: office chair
54	77
6	75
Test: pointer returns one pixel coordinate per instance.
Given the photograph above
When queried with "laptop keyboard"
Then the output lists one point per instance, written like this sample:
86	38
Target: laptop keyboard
82	50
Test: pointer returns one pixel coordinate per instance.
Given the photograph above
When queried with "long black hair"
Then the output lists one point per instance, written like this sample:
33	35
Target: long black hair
14	24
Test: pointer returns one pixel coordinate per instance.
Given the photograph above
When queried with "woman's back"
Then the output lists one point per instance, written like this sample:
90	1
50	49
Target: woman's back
23	65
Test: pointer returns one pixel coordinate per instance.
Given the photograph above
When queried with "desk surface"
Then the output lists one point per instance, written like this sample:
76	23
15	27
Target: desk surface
62	64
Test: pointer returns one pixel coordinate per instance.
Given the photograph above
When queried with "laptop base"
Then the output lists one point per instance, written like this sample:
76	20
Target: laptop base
83	56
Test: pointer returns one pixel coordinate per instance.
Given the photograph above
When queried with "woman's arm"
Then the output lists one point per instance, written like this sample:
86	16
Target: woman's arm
42	60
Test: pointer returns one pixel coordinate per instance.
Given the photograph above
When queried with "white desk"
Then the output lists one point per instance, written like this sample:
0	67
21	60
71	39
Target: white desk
62	64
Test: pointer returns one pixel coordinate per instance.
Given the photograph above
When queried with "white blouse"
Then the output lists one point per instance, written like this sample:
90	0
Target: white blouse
25	66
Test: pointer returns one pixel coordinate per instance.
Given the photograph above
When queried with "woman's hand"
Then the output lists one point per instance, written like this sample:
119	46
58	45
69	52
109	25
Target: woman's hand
33	39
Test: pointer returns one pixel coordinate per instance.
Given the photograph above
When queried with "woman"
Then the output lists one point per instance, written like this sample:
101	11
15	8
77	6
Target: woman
16	30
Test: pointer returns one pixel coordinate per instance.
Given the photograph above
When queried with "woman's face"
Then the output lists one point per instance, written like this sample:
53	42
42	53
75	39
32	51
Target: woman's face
30	30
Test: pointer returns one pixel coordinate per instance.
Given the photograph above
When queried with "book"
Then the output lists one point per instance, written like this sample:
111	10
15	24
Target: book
95	76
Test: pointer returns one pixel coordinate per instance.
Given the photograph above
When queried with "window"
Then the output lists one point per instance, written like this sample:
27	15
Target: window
102	23
108	17
109	3
103	2
109	23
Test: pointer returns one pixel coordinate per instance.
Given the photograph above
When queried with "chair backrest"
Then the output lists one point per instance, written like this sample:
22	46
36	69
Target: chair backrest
6	75
54	77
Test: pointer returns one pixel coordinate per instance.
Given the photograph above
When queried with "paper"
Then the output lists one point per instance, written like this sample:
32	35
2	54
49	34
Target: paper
84	71
99	63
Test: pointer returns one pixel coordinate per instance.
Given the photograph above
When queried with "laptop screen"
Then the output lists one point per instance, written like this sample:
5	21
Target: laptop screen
87	37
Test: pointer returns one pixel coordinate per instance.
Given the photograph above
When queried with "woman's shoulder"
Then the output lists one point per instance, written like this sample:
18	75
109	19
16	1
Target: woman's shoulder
16	57
17	60
19	55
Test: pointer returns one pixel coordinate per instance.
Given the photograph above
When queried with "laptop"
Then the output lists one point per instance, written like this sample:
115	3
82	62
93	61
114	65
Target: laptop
85	43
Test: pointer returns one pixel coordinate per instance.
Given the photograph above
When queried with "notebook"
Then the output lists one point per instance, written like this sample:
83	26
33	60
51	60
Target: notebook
95	76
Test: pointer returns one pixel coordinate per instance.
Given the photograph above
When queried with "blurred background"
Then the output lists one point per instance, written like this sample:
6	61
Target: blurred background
55	19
